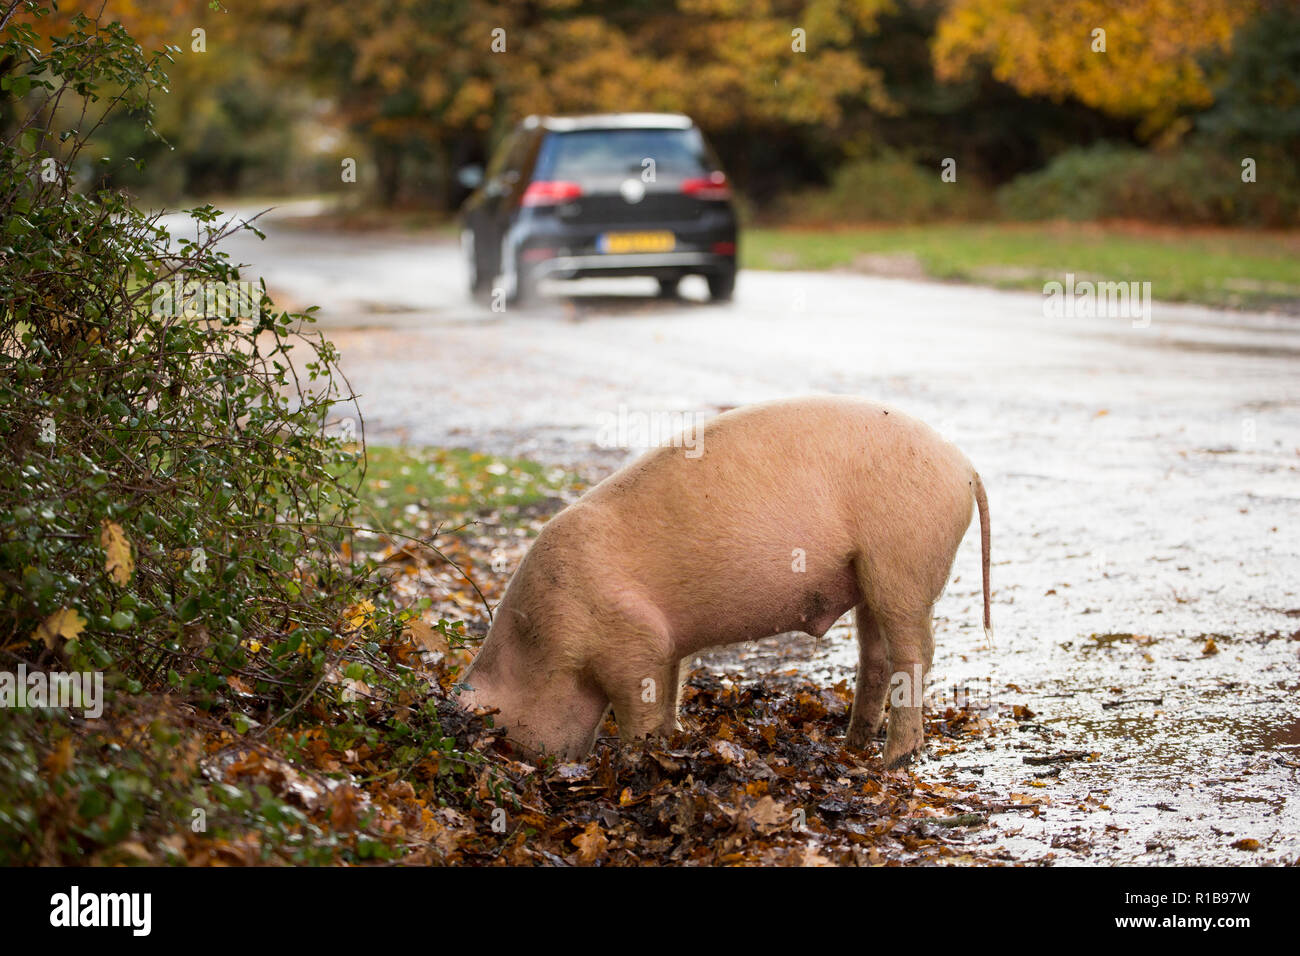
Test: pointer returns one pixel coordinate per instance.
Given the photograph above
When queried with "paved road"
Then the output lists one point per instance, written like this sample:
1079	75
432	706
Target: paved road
1144	486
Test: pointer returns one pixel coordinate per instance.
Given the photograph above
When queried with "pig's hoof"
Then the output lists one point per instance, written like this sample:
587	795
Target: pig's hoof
857	738
902	760
897	753
904	738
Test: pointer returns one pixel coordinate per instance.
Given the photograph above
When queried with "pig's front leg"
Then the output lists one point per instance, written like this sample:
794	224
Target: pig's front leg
873	681
645	699
637	666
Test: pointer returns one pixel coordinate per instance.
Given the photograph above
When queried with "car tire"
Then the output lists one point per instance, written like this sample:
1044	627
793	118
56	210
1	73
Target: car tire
478	277
525	290
722	284
668	288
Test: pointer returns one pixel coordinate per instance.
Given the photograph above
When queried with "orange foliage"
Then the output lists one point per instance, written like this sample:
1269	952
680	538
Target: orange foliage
1150	69
726	61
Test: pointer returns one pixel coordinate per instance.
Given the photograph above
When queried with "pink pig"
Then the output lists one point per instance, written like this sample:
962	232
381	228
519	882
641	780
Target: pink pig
795	512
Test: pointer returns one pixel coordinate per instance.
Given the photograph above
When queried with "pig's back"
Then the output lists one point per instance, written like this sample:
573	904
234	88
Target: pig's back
763	457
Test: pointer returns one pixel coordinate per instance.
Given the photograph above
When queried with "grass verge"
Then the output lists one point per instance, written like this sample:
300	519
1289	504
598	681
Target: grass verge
1227	268
413	491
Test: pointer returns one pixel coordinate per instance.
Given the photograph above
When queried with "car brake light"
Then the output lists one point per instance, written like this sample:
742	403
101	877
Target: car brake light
550	193
714	186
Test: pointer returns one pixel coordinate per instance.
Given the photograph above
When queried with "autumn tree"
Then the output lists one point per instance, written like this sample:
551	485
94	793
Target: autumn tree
1133	58
435	76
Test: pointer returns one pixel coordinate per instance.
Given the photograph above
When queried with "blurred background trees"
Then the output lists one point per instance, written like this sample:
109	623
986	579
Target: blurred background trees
819	108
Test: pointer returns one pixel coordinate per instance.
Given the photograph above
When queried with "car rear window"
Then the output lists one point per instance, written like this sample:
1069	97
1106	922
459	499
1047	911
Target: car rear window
598	153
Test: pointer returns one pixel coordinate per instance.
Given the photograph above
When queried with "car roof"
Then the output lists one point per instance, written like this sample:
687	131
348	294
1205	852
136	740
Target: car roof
565	124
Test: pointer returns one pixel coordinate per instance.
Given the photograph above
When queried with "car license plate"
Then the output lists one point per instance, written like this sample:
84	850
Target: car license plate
621	242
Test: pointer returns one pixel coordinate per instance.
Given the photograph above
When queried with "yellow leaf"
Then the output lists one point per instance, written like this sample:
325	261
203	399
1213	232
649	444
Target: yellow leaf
59	760
119	563
591	843
1028	800
64	623
359	614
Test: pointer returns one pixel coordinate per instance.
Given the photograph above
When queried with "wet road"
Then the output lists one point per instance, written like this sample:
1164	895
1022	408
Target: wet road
1144	485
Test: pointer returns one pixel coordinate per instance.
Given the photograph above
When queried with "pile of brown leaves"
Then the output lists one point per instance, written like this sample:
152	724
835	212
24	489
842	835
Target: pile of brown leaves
759	776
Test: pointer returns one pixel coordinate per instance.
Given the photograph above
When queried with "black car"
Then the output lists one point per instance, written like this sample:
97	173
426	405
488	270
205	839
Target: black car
618	194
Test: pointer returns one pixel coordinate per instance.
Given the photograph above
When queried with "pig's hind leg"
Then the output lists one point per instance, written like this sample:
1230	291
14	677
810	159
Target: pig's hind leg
911	650
894	654
906	572
873	680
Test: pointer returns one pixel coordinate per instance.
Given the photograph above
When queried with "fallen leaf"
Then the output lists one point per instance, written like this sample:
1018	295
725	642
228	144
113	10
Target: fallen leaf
64	623
239	685
591	843
1027	800
811	857
424	635
360	614
728	751
767	813
119	564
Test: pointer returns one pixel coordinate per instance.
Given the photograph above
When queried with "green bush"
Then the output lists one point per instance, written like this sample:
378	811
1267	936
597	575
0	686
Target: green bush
165	476
1194	184
174	493
890	188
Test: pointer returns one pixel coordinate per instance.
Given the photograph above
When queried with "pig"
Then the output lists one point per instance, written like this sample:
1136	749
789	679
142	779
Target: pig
781	517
